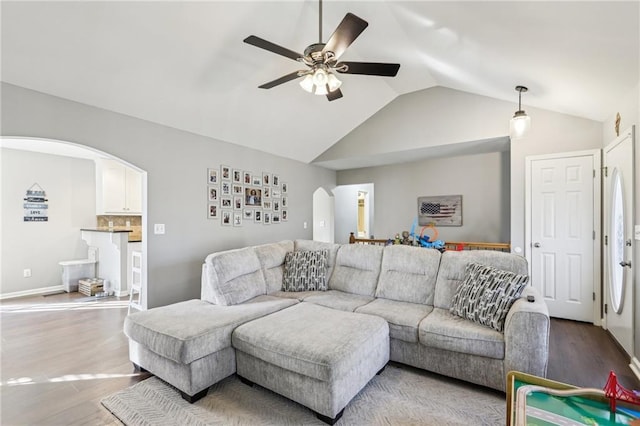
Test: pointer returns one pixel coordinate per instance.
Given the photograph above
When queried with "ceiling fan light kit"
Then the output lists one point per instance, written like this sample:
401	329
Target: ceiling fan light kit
322	59
521	122
320	82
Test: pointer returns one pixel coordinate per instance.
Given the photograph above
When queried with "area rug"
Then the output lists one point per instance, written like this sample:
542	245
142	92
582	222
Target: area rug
398	396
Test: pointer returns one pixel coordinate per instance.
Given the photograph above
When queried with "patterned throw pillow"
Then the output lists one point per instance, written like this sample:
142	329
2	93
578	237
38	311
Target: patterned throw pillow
486	295
305	270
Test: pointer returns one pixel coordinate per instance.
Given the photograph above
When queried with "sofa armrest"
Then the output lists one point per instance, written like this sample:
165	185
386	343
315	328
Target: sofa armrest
526	335
206	293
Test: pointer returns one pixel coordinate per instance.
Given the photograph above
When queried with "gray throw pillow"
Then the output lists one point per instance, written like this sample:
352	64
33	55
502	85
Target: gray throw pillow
486	295
305	270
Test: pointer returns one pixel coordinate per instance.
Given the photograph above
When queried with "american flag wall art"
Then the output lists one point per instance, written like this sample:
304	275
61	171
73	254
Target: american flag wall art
444	210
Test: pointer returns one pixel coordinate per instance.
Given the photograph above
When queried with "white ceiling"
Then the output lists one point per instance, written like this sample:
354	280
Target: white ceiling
183	64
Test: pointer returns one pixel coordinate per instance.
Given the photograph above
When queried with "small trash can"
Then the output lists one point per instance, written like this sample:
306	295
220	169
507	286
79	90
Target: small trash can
75	270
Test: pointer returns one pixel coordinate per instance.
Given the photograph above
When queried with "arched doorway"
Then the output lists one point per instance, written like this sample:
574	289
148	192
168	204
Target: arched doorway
78	191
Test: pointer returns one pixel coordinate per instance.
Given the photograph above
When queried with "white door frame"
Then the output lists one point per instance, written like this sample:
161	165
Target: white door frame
597	217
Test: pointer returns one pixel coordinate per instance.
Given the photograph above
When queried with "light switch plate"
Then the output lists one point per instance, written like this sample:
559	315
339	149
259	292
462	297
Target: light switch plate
636	232
158	228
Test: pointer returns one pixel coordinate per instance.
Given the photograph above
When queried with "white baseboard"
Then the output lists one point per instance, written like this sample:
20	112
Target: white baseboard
635	366
32	292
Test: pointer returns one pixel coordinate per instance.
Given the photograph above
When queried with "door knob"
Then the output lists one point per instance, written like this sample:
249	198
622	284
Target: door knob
627	263
536	245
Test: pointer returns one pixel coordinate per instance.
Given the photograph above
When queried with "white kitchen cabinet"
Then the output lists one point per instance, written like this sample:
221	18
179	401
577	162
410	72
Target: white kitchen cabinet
119	189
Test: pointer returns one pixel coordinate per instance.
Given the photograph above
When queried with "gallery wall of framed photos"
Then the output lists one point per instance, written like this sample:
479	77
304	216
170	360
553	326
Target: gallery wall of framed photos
237	197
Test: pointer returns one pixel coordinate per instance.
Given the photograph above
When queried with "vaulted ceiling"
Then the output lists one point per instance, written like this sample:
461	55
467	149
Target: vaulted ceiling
183	64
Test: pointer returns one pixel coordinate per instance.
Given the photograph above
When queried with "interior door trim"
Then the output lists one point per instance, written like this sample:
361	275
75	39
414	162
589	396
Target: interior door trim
597	217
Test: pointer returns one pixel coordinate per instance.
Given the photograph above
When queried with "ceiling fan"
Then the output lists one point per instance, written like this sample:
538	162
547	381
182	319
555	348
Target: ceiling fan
322	59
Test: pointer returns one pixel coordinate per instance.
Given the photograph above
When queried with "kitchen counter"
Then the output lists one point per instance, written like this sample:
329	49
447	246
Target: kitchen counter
112	245
135	234
107	229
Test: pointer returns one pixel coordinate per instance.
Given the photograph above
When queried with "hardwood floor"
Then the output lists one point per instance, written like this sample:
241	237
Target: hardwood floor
62	355
582	354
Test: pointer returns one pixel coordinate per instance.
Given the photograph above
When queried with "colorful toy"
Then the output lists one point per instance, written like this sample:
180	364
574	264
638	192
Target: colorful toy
616	392
425	240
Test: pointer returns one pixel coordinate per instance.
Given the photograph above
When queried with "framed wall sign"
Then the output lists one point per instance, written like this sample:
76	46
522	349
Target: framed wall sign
441	210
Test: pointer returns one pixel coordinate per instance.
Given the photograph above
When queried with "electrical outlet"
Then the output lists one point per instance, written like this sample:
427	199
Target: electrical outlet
304	225
26	273
128	224
110	224
158	228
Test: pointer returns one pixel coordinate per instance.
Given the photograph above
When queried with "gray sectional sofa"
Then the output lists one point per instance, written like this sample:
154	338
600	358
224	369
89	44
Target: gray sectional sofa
245	323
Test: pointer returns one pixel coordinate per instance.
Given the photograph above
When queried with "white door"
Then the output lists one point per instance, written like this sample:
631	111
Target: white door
562	233
619	190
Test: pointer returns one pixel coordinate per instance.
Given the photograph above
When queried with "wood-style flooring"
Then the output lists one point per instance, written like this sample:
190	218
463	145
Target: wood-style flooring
62	355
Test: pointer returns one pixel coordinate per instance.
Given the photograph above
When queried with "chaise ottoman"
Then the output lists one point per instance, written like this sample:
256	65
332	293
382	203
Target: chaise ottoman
188	344
317	356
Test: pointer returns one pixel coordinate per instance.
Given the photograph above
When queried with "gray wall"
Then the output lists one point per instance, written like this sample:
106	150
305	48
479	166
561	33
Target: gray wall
441	119
550	133
482	180
176	163
71	192
429	118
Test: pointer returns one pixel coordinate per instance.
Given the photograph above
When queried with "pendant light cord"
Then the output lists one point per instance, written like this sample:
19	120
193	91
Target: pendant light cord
320	23
520	89
520	100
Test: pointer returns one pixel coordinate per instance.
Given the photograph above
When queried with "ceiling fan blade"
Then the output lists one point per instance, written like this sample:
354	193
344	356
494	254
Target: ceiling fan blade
280	80
370	68
336	94
272	47
348	30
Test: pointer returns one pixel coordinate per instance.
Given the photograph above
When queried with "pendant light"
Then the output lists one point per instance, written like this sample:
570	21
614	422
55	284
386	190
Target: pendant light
521	122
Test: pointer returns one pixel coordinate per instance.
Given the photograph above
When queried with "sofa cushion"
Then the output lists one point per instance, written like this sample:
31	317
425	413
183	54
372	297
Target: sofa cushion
403	318
271	258
338	300
452	270
408	274
443	330
305	270
357	269
233	277
302	245
339	343
486	295
187	331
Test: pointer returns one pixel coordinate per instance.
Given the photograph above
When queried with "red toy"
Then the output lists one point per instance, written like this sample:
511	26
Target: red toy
615	391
